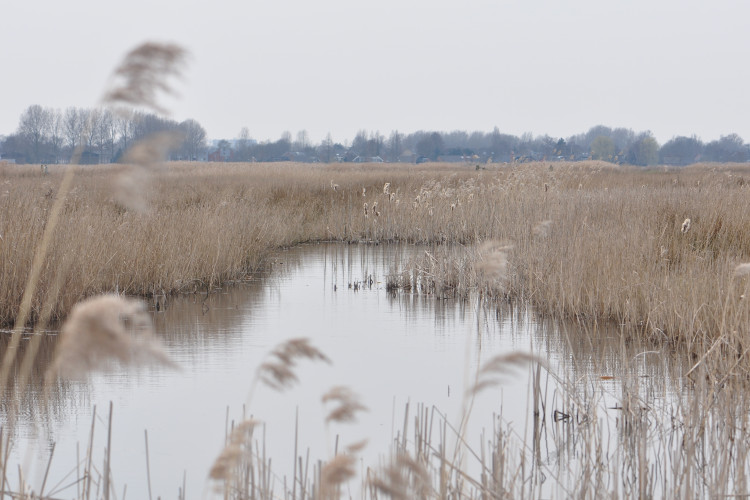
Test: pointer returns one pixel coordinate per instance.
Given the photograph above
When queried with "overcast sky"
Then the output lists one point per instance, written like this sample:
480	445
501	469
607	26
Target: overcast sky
557	67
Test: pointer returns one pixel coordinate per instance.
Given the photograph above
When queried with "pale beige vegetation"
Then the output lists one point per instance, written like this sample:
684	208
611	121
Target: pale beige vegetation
660	254
590	241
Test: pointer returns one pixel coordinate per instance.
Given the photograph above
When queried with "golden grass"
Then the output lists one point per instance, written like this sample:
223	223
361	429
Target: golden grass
590	241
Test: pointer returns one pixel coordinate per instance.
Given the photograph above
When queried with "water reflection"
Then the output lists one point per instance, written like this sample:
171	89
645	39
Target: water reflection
392	349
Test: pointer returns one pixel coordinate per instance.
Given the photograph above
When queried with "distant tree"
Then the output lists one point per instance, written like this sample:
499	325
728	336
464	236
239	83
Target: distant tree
603	148
104	128
303	141
73	128
34	126
561	148
546	146
430	146
194	139
326	153
729	148
503	146
224	149
123	123
375	144
395	145
681	151
359	144
624	138
593	133
56	135
478	141
242	145
643	151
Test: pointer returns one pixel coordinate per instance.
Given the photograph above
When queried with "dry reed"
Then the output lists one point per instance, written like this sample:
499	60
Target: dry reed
613	254
346	404
104	329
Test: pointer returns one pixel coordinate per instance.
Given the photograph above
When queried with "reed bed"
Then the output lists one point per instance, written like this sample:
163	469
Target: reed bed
591	241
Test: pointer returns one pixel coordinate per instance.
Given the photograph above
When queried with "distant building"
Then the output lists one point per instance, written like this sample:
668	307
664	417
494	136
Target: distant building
368	159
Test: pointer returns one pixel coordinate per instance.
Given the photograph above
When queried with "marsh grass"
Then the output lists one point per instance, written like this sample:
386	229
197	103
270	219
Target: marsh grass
600	244
659	253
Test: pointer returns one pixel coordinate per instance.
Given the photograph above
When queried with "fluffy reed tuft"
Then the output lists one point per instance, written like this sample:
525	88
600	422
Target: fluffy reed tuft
347	404
131	185
103	329
278	373
492	372
686	226
742	269
404	479
335	473
493	260
542	229
225	466
143	74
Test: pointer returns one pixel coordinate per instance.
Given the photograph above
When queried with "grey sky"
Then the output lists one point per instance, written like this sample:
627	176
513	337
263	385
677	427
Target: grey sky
675	67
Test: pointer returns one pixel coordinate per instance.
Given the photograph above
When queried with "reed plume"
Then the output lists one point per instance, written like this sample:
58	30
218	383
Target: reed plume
278	372
404	479
542	229
225	466
143	74
131	185
347	404
742	269
104	329
686	226
493	371
335	473
493	260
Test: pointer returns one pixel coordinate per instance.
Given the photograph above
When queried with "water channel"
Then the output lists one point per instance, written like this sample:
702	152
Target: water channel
392	349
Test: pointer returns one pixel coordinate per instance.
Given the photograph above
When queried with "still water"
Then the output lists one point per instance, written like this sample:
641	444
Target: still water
391	349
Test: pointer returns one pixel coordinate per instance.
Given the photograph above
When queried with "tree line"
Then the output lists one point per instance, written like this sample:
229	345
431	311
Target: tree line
46	135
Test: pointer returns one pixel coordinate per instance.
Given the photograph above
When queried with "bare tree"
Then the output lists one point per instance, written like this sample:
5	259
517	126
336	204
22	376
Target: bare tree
73	127
57	133
103	134
326	149
302	142
34	126
395	145
194	138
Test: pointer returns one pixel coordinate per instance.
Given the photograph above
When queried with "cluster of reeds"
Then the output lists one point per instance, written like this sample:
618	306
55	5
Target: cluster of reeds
663	254
600	243
643	436
99	331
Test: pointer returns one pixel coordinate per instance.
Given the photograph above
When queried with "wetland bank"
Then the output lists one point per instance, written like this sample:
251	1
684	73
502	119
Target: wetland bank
598	245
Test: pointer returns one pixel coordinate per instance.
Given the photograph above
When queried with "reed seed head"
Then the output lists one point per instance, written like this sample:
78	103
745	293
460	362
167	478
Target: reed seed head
225	466
742	269
103	329
686	226
143	74
493	260
404	479
492	372
335	473
386	188
347	404
278	372
542	229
